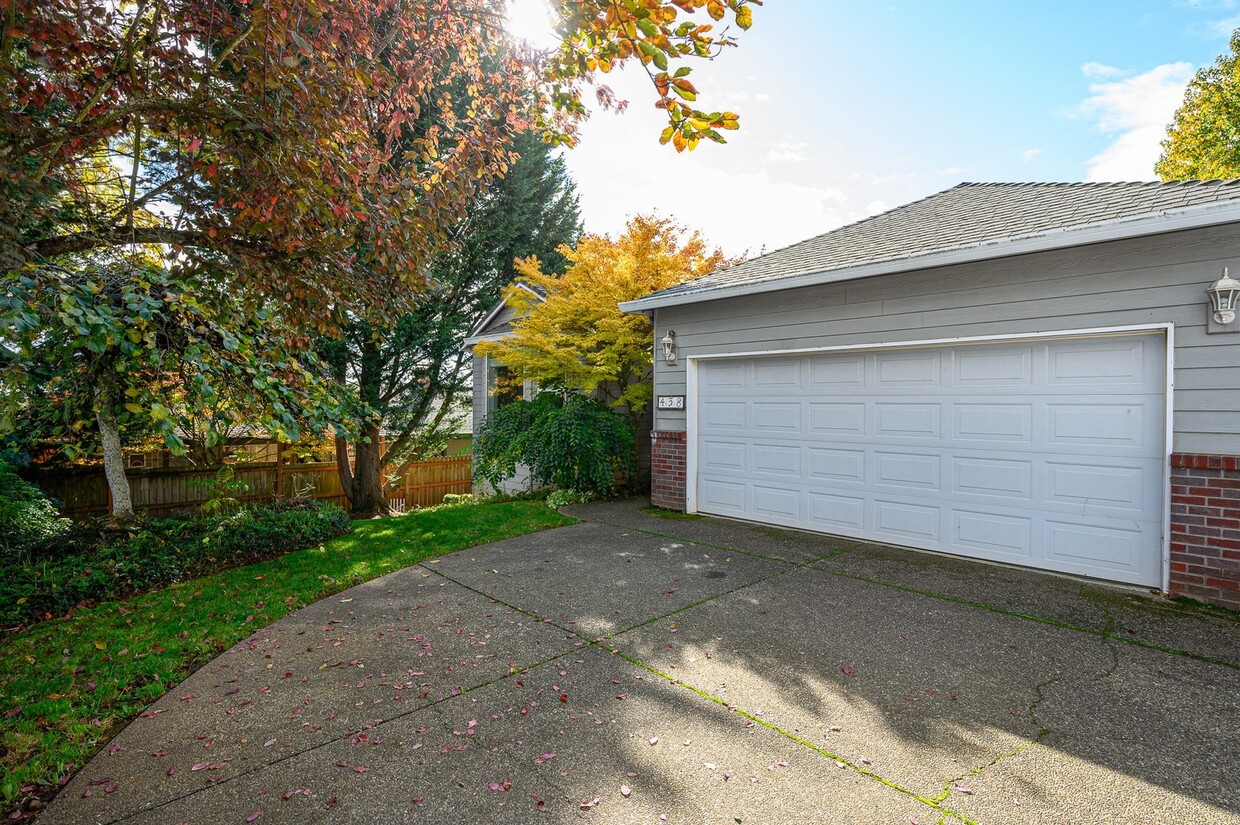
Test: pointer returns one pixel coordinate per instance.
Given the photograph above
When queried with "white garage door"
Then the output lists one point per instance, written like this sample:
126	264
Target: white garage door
1041	453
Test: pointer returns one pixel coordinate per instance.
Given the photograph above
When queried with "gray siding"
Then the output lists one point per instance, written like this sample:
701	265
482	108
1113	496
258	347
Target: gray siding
1158	279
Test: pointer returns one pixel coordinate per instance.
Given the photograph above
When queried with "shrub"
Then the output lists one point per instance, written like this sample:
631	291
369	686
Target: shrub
458	499
101	561
574	443
563	498
27	517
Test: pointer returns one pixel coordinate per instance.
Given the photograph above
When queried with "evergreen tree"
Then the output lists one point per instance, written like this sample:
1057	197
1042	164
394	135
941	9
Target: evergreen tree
409	381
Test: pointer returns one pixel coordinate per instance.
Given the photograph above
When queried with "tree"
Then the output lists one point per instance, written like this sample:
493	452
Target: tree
1203	140
91	357
577	339
278	139
407	380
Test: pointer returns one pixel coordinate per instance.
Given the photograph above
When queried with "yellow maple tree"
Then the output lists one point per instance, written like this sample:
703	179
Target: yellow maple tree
573	336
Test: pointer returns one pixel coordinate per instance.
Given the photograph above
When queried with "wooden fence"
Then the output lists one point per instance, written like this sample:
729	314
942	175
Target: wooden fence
83	491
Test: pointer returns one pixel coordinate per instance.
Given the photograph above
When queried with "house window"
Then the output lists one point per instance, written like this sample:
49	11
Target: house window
503	386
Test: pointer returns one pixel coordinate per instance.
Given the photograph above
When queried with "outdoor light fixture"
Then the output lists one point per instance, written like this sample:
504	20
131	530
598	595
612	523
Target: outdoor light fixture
669	340
1223	294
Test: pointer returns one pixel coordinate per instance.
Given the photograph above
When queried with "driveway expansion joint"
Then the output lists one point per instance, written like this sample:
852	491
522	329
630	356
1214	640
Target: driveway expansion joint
752	718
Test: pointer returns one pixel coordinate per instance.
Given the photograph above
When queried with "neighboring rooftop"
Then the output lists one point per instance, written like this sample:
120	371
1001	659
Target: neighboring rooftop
966	216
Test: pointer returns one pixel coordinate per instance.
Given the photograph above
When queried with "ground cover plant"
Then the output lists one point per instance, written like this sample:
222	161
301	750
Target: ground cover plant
70	684
102	560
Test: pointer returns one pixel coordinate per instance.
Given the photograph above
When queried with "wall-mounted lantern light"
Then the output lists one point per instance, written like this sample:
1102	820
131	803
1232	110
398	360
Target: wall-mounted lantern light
1223	294
669	343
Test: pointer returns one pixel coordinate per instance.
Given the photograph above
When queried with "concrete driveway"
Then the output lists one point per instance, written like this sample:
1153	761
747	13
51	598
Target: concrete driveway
636	668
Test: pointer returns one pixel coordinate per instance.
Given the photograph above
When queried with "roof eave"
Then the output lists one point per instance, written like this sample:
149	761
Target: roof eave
1157	223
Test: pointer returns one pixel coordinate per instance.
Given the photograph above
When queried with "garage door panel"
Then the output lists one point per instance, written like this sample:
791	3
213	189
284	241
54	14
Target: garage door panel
836	418
903	520
777	460
1097	424
903	420
723	375
724	416
1096	362
904	370
908	470
777	417
781	502
836	465
834	512
1092	487
994	535
834	374
1009	423
1048	453
727	498
774	375
1006	367
1095	545
1008	478
723	456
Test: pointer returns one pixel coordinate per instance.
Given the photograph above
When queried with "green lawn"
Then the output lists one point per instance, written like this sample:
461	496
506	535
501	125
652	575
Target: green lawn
68	685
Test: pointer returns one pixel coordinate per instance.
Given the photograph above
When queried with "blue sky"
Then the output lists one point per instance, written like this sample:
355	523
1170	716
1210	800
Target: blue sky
851	108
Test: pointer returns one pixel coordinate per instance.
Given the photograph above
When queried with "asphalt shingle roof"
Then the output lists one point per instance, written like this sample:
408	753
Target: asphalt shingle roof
963	216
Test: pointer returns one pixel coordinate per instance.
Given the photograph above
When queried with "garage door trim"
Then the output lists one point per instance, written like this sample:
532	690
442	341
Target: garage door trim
1167	329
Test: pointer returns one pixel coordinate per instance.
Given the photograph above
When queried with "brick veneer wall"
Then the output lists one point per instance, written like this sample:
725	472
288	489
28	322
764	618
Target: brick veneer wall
667	469
1205	528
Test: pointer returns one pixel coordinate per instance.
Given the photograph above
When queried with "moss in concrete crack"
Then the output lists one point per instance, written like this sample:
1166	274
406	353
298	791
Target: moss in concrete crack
757	720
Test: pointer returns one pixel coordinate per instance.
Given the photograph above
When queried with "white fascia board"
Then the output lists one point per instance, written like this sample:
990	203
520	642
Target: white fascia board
478	339
496	310
1158	223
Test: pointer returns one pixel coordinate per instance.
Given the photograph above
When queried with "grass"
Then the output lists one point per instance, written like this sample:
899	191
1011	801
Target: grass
70	684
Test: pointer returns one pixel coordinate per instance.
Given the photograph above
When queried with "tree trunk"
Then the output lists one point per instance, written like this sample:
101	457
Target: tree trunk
113	459
368	498
363	482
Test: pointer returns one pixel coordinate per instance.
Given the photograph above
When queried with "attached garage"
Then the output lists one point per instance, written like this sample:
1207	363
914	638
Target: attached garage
1048	453
1029	374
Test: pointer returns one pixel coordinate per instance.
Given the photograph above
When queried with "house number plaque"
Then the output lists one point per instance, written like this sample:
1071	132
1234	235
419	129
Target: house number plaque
671	402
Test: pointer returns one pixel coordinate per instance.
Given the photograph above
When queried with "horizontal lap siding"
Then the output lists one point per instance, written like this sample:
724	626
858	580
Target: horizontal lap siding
1160	279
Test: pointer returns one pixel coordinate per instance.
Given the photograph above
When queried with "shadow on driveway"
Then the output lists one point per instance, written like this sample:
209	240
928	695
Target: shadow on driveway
635	668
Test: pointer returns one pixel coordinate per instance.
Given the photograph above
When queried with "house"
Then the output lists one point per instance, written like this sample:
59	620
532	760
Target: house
1023	373
494	386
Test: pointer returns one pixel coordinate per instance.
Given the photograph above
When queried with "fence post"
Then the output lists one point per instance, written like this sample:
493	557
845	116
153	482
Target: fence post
279	470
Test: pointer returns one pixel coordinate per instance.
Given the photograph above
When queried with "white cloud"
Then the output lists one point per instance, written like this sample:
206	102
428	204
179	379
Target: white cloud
1224	27
1134	111
1100	70
788	152
1028	155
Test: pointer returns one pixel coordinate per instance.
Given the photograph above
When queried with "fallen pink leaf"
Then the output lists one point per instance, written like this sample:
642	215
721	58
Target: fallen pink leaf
172	770
589	803
98	782
253	816
331	803
544	757
625	791
847	671
362	769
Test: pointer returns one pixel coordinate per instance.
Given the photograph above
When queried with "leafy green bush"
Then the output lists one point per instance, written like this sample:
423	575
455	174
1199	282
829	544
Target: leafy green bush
458	500
563	498
574	443
103	561
27	517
